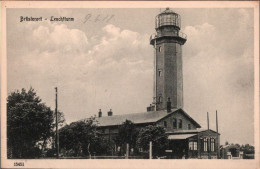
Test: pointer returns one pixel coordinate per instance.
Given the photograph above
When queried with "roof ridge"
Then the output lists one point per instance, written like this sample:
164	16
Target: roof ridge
134	113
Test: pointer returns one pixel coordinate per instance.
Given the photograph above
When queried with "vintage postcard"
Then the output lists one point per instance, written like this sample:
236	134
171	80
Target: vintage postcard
130	84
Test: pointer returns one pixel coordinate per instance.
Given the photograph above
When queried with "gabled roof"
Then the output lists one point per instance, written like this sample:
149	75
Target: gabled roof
139	118
185	114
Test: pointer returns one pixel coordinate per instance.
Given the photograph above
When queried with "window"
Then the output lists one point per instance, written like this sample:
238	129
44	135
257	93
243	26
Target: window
140	149
168	19
193	145
165	124
189	126
180	123
174	19
160	73
190	145
174	123
160	99
160	48
205	141
212	144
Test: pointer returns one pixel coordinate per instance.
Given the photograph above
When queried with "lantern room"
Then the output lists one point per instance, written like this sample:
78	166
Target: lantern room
167	26
168	18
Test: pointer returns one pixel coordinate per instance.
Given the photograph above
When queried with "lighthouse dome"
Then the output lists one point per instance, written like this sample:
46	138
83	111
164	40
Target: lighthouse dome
168	18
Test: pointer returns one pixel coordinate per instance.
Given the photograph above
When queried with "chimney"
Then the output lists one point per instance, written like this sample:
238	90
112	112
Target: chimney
169	105
110	113
149	108
100	113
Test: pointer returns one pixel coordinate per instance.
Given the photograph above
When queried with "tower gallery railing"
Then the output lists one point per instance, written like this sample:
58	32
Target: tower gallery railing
180	34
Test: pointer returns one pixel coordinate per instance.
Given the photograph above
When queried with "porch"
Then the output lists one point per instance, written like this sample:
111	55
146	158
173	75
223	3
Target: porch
193	144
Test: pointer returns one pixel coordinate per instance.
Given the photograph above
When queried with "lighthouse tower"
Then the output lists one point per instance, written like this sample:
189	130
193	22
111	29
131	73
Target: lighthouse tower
167	43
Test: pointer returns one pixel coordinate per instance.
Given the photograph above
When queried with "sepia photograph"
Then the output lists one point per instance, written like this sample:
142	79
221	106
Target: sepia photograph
164	83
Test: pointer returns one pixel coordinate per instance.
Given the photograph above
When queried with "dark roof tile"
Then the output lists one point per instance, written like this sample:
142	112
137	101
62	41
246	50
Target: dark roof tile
137	118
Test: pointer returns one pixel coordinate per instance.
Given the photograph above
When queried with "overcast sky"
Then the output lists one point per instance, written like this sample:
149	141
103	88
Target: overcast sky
109	63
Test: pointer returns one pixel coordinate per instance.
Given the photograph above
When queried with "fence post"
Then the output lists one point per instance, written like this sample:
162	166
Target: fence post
127	151
150	151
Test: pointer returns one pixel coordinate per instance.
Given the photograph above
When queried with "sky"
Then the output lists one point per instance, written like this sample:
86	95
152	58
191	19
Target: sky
103	60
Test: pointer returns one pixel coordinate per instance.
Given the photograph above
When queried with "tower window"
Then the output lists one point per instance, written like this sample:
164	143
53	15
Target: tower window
189	127
160	99
160	48
165	124
174	123
180	123
160	73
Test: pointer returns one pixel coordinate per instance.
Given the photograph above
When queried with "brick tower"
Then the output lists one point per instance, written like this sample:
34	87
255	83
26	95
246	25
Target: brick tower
167	43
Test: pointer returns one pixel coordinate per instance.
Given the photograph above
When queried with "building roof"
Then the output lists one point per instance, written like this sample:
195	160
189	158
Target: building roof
180	136
229	146
189	117
167	10
138	118
190	131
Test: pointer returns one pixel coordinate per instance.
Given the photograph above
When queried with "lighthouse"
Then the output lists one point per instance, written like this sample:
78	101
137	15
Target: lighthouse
168	76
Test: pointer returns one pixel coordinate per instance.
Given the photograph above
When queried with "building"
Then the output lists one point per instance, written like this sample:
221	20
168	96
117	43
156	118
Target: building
231	152
186	139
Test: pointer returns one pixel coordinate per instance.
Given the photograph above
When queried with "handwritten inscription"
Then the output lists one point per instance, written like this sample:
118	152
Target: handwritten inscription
98	18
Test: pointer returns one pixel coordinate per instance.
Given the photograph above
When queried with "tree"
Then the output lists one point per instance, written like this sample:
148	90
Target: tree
79	138
247	149
29	122
157	135
127	134
100	146
49	145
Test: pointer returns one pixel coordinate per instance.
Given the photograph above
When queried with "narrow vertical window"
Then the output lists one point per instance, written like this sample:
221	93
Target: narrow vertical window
180	123
205	141
189	127
165	124
174	123
212	143
160	73
190	145
160	99
160	48
195	145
